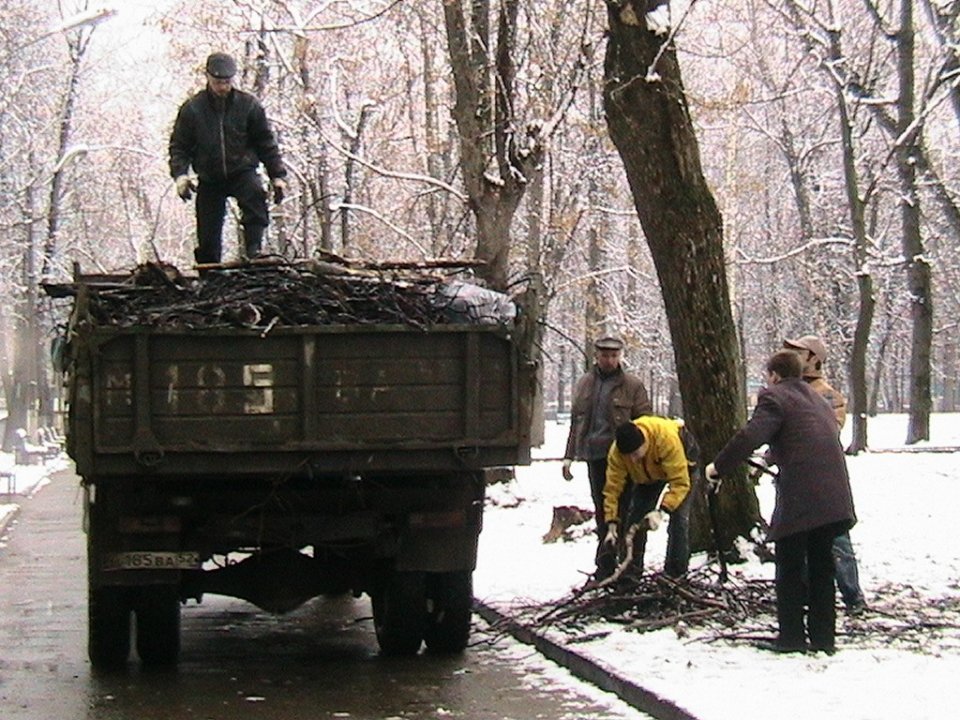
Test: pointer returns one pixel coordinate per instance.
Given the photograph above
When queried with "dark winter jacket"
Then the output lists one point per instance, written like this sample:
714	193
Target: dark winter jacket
626	399
813	488
222	139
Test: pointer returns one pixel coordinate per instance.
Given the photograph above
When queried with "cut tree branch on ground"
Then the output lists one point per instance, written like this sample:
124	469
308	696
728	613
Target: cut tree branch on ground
742	610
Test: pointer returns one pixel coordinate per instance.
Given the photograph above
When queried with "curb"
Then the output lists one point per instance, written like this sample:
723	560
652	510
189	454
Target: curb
9	518
586	669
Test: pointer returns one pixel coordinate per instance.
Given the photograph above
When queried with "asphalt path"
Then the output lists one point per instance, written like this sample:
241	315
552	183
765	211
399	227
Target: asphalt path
320	661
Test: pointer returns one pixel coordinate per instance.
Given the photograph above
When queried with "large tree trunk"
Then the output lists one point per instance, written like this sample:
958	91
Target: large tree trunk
650	125
436	135
497	159
857	207
918	268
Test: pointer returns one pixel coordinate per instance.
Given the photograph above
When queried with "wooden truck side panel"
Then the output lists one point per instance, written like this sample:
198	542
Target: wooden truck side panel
330	394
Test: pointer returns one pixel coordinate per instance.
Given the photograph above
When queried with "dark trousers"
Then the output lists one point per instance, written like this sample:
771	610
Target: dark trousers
597	473
814	550
643	499
247	188
846	572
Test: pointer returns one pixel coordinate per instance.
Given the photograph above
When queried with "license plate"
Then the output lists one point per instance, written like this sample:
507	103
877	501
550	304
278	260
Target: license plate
152	560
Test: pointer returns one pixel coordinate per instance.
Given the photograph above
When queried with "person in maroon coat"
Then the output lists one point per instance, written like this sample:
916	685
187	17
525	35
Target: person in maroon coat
814	502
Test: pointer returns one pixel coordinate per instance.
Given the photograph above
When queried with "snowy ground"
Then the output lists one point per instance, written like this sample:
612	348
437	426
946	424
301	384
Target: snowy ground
20	481
908	554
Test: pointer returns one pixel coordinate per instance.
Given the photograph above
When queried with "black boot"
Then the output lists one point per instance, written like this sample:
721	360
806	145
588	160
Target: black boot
606	560
252	240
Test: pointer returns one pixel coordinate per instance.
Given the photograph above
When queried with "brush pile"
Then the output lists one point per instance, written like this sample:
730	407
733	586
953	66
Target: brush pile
267	294
700	608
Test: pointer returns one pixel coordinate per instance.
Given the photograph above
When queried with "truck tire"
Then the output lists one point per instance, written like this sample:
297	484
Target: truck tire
108	627
400	613
108	606
450	608
158	625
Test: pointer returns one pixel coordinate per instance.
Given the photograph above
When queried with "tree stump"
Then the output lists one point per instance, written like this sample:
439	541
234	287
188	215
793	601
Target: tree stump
565	517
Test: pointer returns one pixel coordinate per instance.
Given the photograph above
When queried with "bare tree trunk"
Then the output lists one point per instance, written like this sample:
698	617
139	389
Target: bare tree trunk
64	158
317	182
918	269
943	17
489	136
22	390
856	204
258	52
650	125
950	371
350	174
874	401
594	299
437	145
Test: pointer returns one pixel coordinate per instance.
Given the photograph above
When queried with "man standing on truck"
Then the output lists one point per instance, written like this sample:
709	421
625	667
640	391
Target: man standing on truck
223	133
603	398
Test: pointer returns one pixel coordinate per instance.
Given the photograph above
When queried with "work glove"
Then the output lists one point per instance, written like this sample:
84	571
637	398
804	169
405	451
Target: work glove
567	473
713	479
653	519
610	541
279	187
184	187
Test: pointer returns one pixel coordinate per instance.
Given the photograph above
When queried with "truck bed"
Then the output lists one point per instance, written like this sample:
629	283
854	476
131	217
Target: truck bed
328	399
283	369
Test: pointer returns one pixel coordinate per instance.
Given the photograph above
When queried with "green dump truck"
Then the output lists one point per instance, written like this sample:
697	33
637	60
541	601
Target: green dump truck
280	433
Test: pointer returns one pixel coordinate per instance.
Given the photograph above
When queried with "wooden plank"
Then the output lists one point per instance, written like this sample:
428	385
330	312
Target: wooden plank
390	427
313	389
409	345
308	387
381	370
141	386
495	423
471	386
376	399
270	431
248	349
217	402
225	372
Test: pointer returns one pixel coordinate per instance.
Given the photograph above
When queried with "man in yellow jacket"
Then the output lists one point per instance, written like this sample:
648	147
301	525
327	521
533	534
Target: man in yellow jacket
657	456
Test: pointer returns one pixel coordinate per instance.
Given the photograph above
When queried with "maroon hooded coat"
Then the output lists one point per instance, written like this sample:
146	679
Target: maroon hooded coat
813	488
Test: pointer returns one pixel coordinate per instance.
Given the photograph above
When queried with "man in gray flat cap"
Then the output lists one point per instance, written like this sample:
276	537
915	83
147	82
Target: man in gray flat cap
223	133
603	398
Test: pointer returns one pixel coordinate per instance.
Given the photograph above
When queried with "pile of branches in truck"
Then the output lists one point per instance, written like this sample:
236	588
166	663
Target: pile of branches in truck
268	293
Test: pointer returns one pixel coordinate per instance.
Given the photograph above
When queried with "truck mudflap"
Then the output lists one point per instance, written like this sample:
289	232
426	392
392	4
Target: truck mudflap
438	551
442	541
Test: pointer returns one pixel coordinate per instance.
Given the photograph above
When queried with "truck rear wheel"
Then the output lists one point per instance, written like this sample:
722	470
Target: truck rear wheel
450	608
108	626
400	613
158	625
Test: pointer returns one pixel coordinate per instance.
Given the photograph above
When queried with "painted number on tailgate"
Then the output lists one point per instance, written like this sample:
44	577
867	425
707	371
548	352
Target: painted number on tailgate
259	381
215	393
